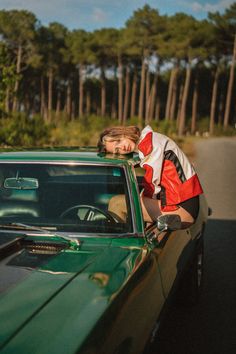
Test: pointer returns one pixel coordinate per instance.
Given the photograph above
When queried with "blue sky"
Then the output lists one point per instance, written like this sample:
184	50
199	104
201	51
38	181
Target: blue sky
95	14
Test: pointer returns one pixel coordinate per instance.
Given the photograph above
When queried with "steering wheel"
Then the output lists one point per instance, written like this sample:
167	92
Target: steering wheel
88	213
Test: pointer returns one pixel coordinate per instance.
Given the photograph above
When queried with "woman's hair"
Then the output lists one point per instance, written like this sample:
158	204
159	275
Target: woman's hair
115	133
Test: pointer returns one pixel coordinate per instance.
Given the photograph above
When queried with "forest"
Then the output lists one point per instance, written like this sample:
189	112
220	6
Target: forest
60	86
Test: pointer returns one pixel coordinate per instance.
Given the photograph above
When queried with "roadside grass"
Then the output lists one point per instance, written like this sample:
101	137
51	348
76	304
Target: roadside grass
23	131
188	146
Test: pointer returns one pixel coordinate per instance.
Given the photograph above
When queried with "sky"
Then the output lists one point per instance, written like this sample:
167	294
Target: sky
95	14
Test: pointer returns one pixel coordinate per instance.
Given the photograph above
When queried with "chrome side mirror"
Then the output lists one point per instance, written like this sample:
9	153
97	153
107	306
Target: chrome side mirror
169	222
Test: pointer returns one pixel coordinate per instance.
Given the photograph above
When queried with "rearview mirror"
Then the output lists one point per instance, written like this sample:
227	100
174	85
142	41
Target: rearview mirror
169	222
21	183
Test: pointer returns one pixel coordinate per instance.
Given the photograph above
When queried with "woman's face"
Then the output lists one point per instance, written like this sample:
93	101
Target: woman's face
122	145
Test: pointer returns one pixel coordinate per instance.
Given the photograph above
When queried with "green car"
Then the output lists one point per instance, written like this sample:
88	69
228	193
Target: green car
75	277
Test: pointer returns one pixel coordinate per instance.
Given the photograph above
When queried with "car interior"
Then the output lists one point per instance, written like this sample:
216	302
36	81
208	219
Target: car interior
64	194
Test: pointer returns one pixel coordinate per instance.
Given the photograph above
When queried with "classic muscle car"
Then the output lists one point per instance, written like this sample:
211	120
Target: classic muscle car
74	277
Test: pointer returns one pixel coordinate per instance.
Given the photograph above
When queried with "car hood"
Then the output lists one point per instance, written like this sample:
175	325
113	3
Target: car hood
53	295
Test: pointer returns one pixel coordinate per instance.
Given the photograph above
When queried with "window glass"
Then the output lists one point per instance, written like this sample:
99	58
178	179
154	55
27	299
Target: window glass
79	198
139	171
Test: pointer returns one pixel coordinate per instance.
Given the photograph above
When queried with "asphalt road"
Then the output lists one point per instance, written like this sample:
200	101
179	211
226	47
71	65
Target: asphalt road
210	326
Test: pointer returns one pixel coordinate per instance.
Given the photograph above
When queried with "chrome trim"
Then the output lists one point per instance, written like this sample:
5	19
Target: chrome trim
73	235
134	216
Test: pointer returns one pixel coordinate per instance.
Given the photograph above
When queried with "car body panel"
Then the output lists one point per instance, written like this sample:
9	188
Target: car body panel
169	255
84	290
89	282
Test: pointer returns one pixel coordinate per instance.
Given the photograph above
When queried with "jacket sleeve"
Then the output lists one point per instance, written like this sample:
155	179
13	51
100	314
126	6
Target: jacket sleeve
151	152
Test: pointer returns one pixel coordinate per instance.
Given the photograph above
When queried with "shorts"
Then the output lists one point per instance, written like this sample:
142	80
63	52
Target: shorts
191	206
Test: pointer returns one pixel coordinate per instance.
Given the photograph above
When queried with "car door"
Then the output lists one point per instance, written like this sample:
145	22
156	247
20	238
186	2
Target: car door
172	250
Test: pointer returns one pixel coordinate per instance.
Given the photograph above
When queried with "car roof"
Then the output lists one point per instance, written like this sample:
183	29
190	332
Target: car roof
78	154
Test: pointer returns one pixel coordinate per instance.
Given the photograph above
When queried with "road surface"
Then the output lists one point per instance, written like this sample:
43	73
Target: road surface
210	327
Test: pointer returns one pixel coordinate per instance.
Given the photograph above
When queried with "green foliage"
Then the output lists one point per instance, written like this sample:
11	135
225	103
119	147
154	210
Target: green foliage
202	125
165	127
103	51
76	48
133	121
80	132
142	29
21	130
17	26
85	131
50	68
51	45
7	74
224	28
221	131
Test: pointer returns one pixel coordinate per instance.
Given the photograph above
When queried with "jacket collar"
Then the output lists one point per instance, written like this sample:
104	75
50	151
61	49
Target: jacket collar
145	130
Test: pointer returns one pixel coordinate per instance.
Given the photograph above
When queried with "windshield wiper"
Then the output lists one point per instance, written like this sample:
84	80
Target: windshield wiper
22	226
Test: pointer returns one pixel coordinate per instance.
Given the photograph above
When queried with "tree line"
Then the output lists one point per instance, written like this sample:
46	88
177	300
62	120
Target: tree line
157	68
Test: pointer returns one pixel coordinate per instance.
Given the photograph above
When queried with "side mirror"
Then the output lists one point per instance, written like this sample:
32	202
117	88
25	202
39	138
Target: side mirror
169	222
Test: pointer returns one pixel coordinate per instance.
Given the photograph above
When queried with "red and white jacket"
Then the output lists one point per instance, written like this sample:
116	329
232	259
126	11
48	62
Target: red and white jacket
169	175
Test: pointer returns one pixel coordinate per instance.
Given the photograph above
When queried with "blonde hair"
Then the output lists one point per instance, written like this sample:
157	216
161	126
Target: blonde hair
114	133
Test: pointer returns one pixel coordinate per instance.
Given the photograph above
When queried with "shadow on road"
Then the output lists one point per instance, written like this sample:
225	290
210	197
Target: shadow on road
210	326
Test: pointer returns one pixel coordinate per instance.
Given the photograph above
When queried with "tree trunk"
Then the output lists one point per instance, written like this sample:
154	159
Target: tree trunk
182	117
103	93
174	95
7	100
58	105
114	103
147	100
68	100
18	70
169	95
50	90
81	90
157	110
127	94
120	90
151	103
113	108
43	106
141	94
194	105
27	105
213	101
133	95
88	103
180	102
72	110
230	87
221	110
98	110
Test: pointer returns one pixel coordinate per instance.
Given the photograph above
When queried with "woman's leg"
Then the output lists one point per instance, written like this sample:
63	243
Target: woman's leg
151	211
117	206
150	207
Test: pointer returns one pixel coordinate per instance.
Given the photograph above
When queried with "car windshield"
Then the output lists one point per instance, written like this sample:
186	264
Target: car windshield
65	197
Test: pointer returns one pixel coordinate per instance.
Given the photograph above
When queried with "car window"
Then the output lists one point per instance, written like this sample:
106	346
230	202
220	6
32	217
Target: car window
139	171
69	197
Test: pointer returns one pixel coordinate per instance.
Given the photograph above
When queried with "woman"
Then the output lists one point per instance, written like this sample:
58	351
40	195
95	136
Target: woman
171	185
